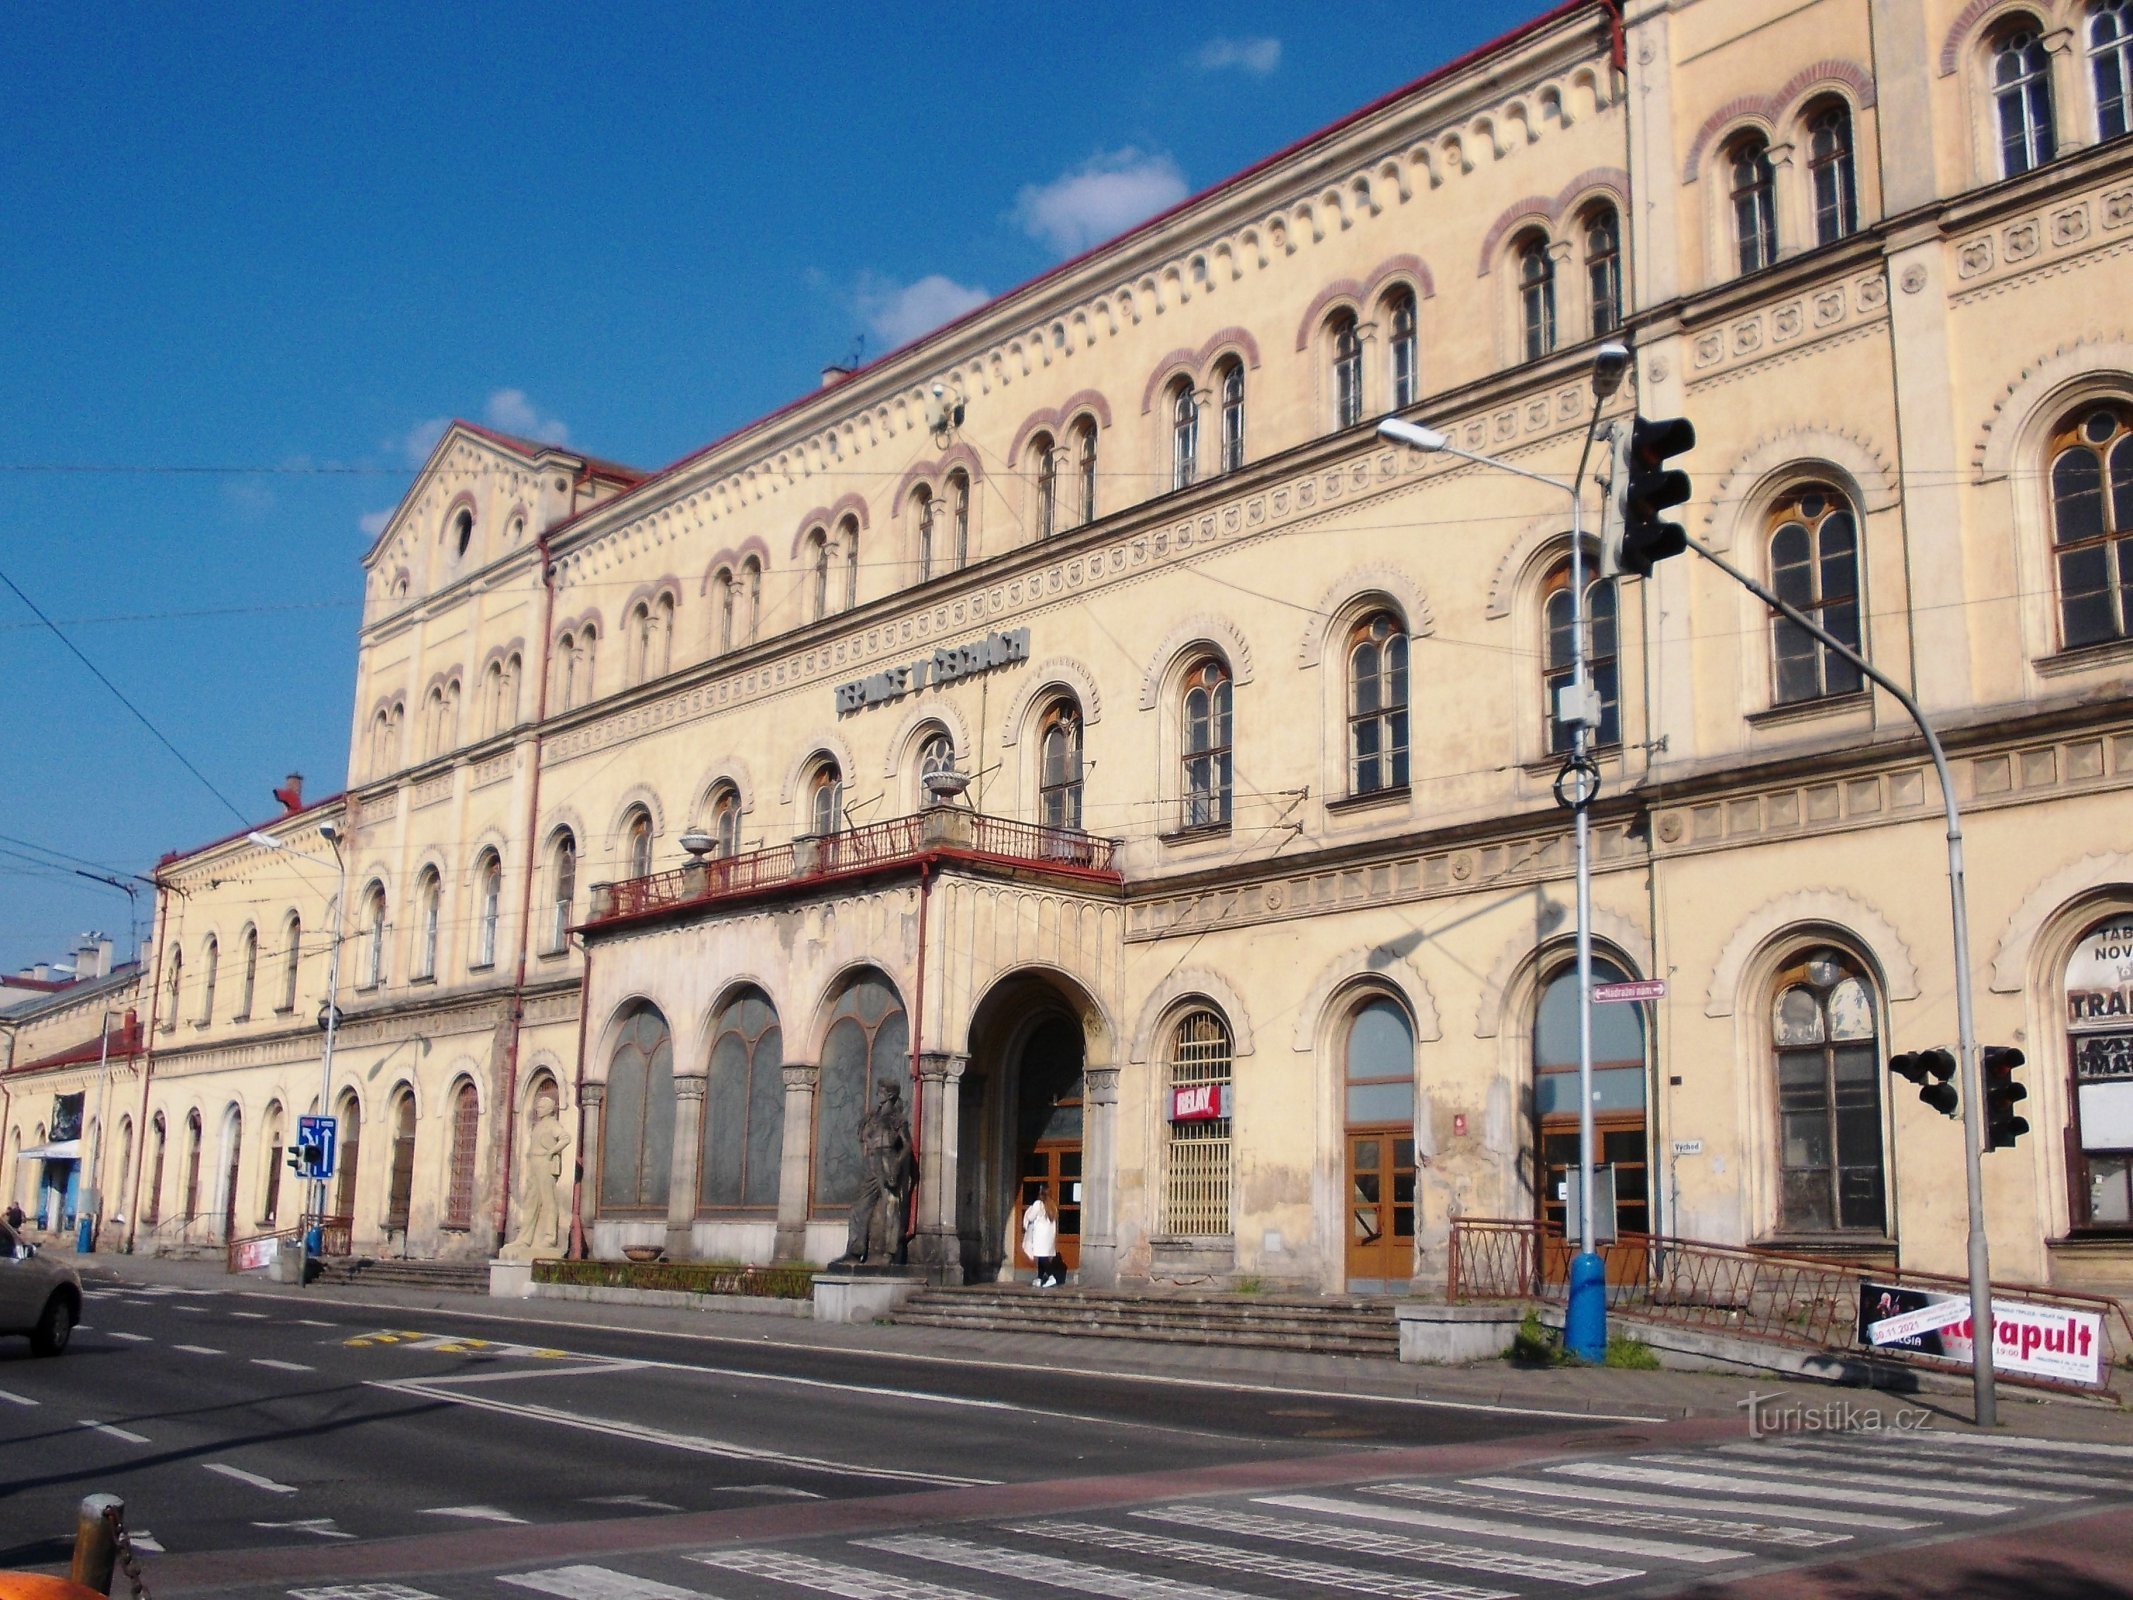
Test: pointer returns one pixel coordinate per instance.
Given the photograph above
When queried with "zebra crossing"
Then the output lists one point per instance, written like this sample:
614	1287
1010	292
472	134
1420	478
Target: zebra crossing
1643	1522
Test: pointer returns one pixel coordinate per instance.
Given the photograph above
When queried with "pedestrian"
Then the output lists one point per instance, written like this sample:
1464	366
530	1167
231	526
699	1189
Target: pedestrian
14	1215
1040	1241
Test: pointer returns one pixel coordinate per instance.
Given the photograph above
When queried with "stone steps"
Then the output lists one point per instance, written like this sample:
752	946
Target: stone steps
1265	1322
457	1277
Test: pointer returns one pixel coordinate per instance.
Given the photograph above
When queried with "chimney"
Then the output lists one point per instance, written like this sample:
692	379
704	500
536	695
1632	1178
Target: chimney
833	374
92	956
291	793
42	972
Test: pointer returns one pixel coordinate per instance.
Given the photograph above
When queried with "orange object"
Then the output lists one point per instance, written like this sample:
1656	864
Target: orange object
35	1586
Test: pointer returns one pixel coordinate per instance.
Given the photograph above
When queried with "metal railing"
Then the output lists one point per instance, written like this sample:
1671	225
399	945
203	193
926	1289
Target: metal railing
1810	1301
336	1234
879	844
783	1281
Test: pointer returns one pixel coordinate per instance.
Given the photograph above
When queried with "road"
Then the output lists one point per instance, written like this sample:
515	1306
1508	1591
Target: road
270	1446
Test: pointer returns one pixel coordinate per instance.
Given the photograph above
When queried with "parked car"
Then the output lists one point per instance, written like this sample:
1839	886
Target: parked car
38	1297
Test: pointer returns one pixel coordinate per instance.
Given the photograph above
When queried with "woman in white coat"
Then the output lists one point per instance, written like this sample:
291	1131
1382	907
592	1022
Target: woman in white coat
1040	1241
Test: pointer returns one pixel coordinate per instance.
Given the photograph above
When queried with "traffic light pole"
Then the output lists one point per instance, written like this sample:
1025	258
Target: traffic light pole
1973	1075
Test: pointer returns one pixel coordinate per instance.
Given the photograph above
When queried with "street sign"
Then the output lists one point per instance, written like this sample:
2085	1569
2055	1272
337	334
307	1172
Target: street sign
1632	989
317	1137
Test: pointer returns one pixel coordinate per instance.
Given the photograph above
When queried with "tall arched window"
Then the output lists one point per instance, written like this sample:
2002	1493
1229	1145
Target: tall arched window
210	966
637	1130
1044	460
1059	765
1229	383
562	887
1754	196
348	1160
1814	565
2111	66
429	907
1823	1034
1085	464
192	1166
466	1141
2022	100
292	955
273	1139
2092	525
1603	268
818	575
1377	705
1403	356
400	1184
433	723
492	697
173	986
1561	657
514	671
868	1044
248	983
1184	435
566	671
1618	1082
726	819
1536	295
2099	1040
825	799
848	538
637	843
936	754
959	518
744	1105
751	600
489	900
159	1139
722	608
639	641
1347	349
1196	1178
922	513
1832	173
373	968
1379	1110
1205	746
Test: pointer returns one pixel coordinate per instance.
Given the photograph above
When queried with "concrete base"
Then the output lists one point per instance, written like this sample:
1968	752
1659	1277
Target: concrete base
1703	1350
510	1280
862	1296
681	1299
1438	1335
289	1261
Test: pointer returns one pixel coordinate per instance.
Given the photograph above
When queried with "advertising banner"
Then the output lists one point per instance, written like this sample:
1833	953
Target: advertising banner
1199	1102
2036	1341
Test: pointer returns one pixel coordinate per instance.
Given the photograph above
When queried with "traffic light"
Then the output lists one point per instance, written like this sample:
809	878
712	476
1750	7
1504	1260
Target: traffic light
1633	535
1930	1070
295	1159
2002	1125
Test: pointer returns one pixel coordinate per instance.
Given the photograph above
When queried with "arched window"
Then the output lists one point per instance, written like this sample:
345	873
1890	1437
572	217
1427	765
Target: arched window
562	888
173	986
1085	463
1184	435
1059	765
2099	1039
959	518
210	965
868	1044
192	1166
1205	725
292	954
818	575
1823	1034
2111	66
588	661
566	671
1379	1111
1754	197
637	843
248	984
640	641
489	898
1561	657
726	819
1404	369
433	724
825	799
273	1140
1814	565
159	1135
466	1137
492	697
637	1133
1832	173
2022	100
429	907
744	1105
1536	295
400	1186
848	537
1377	705
1618	1074
373	968
1044	459
1229	383
922	511
722	607
751	597
2092	525
1347	347
1196	1179
348	1159
462	532
936	754
1603	269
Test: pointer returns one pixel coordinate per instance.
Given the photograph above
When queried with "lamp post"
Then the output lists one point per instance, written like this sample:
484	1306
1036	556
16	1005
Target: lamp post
91	1201
1576	786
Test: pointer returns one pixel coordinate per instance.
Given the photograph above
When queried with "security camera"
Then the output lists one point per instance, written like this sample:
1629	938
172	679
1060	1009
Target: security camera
939	390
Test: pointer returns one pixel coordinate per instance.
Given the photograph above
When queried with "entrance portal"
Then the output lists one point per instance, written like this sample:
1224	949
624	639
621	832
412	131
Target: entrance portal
1048	1138
1021	1127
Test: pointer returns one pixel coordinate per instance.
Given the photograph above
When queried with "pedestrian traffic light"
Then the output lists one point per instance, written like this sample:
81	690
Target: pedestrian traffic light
1633	534
2002	1125
1930	1070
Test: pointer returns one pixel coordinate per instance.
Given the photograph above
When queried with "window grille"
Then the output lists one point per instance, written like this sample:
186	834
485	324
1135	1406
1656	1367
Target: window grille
1196	1198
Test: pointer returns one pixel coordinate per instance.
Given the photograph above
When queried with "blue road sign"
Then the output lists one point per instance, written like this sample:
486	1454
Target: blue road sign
316	1139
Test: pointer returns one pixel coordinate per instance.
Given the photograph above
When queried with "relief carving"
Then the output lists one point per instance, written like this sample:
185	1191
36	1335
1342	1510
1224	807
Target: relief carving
1974	258
2021	241
2070	226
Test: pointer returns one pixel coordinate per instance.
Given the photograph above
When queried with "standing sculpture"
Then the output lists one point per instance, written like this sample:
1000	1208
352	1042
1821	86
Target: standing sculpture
540	1228
887	1169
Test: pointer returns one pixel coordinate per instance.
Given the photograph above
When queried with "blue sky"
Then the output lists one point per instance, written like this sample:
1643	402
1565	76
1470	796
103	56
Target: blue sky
291	240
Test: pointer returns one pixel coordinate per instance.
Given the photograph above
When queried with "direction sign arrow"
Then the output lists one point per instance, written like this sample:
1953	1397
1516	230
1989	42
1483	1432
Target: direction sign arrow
1630	989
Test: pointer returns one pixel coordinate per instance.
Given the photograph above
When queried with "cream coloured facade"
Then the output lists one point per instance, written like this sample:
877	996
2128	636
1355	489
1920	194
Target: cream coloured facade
1247	941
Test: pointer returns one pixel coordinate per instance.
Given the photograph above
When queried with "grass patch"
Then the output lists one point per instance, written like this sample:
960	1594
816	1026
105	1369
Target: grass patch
1626	1350
1248	1285
1537	1345
786	1282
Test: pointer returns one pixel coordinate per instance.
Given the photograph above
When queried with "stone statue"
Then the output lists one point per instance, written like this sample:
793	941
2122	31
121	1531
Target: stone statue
540	1226
876	1235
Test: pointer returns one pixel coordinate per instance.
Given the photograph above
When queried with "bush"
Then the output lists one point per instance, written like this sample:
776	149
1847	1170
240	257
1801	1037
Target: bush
1536	1345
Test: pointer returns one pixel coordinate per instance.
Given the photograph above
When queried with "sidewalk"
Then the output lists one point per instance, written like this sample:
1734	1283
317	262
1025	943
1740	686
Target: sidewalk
1570	1392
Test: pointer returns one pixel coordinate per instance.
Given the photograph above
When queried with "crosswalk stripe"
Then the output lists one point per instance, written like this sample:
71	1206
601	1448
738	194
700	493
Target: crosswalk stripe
1646	1500
1760	1471
1900	1459
1619	1517
1397	1546
1712	1483
829	1577
282	1366
356	1591
1496	1528
1977	1441
1283	1569
133	1338
1053	1572
117	1432
197	1349
587	1582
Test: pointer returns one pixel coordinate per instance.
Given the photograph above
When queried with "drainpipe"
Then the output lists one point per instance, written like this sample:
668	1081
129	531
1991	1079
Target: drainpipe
576	1250
525	901
148	1064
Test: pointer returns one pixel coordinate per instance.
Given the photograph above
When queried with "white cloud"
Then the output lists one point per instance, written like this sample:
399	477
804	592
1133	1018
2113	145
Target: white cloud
1103	198
899	313
373	522
510	410
422	439
1256	56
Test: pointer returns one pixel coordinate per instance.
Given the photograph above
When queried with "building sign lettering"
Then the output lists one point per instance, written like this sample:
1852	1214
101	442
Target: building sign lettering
949	664
1199	1102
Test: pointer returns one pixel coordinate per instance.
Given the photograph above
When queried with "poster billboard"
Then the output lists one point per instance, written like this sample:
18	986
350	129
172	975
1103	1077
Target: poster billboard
2038	1341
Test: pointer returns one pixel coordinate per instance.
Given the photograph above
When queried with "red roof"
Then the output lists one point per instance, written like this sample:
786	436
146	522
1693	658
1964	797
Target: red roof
169	856
535	447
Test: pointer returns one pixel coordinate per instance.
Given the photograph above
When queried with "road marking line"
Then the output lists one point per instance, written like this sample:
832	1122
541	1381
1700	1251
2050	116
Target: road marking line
254	1316
321	1527
644	1501
15	1399
1616	1517
253	1478
679	1441
142	1539
1497	1528
282	1366
313	1322
596	1365
197	1349
471	1513
1846	1517
361	1591
1759	1471
2096	1478
116	1432
1975	1441
598	1583
853	1583
1712	1483
762	1488
201	1309
84	1327
132	1338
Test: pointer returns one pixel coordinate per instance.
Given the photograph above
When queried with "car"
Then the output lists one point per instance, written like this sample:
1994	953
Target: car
38	1297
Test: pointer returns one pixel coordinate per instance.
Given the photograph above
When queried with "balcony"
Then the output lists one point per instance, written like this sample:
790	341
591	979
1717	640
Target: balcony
937	835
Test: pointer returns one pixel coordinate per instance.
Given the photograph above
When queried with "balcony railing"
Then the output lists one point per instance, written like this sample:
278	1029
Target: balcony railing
943	830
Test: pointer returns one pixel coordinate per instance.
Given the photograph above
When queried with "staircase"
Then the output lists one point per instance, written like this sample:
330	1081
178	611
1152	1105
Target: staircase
1324	1326
453	1277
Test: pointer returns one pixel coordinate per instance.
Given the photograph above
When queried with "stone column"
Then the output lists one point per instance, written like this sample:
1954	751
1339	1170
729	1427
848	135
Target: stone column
939	1245
794	1159
1099	1173
681	1173
592	1099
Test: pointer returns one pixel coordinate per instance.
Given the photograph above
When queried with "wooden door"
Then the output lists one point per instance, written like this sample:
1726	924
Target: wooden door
1618	1141
1053	1170
1381	1207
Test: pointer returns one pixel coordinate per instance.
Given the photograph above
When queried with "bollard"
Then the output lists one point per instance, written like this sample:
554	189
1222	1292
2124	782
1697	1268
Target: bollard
96	1541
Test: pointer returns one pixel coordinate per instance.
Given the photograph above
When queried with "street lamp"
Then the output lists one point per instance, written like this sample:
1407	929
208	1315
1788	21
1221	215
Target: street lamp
1578	784
91	1200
